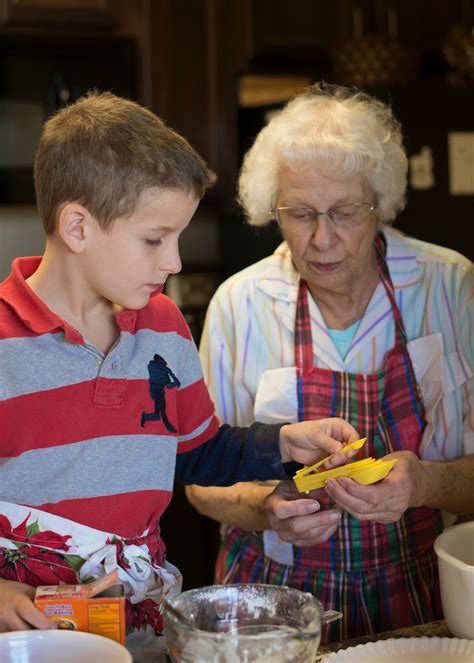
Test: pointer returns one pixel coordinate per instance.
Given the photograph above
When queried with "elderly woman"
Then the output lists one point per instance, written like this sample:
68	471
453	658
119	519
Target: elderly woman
353	319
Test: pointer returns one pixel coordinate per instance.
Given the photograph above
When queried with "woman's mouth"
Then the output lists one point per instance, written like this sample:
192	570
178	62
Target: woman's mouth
325	266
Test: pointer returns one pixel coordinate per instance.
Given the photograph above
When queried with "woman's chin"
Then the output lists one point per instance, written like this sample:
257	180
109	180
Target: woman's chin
339	279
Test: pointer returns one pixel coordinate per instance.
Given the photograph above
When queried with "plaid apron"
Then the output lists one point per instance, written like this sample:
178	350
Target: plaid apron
380	576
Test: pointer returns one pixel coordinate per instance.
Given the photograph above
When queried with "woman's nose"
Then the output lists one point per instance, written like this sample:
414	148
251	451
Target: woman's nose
323	233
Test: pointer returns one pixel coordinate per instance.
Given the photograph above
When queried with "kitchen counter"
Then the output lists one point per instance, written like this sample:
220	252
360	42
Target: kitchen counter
438	629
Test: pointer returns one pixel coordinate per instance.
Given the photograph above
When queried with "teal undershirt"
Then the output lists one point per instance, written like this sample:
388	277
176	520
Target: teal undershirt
342	338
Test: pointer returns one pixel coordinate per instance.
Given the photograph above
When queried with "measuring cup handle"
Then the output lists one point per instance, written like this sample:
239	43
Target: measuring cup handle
330	616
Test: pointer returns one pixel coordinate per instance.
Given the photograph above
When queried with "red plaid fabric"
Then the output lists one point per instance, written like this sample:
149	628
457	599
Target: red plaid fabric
371	601
380	576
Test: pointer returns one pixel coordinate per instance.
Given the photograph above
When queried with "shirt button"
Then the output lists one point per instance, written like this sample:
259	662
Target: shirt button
99	362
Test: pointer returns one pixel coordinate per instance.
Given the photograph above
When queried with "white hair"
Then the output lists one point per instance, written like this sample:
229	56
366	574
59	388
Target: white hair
339	131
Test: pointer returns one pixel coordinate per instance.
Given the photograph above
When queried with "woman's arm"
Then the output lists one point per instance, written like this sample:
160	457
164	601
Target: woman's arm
254	507
411	483
240	505
449	486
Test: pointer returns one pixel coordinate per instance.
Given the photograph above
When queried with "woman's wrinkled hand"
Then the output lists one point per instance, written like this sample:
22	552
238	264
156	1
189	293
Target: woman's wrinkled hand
300	521
17	611
386	501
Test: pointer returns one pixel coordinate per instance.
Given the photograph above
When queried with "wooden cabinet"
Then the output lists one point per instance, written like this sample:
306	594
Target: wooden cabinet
191	80
56	13
285	30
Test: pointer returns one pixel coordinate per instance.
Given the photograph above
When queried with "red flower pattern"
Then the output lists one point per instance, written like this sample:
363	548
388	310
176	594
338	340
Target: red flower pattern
33	562
147	612
139	615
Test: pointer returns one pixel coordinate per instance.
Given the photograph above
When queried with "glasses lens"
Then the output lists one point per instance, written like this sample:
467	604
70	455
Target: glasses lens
350	212
296	215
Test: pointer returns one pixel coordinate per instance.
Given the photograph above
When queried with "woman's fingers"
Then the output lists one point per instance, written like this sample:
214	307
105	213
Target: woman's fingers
381	503
317	536
300	520
306	528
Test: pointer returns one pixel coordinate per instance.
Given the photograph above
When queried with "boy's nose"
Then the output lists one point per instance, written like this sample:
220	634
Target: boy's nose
173	263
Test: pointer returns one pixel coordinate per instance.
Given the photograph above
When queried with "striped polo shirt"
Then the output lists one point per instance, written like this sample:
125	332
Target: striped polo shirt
83	434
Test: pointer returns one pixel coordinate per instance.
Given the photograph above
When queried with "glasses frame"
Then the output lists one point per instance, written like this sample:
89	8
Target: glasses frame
329	212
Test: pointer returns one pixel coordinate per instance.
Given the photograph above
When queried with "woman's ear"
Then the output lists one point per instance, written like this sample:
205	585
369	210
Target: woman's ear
73	220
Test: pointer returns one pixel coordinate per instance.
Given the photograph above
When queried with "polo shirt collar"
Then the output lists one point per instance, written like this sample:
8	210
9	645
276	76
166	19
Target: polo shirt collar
33	311
28	306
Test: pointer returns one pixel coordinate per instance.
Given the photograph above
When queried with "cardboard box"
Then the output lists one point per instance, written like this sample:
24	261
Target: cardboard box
73	608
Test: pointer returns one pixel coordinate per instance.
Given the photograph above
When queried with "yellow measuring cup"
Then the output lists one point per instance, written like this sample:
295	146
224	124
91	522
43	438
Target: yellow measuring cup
365	471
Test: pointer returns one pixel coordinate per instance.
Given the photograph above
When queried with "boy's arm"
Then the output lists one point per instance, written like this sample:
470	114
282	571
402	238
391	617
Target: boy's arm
259	451
234	454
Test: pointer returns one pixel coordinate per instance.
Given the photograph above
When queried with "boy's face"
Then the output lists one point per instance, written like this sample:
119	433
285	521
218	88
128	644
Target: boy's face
132	260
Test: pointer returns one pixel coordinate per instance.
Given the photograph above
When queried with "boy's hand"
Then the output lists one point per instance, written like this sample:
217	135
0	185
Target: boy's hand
17	611
310	441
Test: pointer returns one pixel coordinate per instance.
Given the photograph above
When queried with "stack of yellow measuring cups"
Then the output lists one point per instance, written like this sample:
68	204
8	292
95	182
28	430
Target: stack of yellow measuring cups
365	471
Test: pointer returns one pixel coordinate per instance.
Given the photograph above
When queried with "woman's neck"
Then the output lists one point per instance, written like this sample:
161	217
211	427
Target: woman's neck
341	309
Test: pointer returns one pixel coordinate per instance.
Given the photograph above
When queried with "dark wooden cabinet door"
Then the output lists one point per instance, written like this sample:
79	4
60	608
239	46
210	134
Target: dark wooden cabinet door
293	29
67	13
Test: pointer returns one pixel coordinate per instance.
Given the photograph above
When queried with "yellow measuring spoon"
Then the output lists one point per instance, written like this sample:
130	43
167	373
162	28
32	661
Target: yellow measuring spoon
312	468
365	471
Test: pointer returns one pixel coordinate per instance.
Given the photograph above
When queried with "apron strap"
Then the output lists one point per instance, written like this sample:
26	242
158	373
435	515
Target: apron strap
303	336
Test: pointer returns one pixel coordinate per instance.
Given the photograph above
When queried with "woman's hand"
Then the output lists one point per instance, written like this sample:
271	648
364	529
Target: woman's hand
309	441
299	521
17	611
383	502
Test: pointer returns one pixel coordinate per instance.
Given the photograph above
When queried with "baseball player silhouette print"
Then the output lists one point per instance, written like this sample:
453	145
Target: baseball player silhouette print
161	377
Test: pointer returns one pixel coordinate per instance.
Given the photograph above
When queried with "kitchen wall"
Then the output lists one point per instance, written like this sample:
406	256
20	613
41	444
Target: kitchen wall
21	234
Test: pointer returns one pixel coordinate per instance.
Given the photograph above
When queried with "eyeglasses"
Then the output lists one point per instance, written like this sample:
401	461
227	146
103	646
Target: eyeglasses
342	216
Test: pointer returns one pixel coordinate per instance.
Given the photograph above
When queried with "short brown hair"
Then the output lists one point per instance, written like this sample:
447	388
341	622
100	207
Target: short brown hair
103	152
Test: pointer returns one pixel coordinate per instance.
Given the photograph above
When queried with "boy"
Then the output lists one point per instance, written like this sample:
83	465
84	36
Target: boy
102	396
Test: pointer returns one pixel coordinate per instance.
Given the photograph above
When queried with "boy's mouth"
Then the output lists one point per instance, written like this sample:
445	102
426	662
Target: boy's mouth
156	287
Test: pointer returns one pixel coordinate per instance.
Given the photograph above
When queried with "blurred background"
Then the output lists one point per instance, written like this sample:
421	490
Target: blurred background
215	70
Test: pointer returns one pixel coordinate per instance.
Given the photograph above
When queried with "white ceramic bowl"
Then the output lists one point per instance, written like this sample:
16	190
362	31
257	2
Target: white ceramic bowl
60	647
455	550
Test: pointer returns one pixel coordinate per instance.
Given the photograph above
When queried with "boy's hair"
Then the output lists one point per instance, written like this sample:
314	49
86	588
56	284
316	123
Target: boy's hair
103	152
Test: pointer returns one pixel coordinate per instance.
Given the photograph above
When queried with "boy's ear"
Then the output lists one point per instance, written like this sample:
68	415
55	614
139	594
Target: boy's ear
73	221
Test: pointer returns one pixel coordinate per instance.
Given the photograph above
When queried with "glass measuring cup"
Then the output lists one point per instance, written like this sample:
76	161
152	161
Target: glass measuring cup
244	623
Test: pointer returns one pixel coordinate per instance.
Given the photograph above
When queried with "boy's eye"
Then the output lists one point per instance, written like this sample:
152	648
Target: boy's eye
153	242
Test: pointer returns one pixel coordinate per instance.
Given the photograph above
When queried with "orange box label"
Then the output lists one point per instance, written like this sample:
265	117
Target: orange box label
72	608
